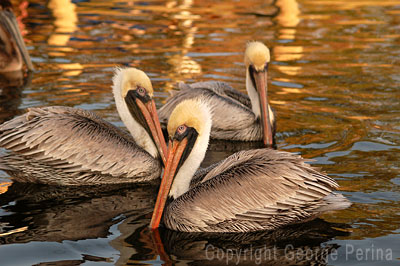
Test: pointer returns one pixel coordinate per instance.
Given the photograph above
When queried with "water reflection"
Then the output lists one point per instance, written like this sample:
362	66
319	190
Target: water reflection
66	19
50	213
11	87
286	246
334	86
182	64
288	18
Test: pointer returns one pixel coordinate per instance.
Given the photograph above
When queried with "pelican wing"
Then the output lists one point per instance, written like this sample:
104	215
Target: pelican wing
75	141
233	117
223	89
200	174
249	191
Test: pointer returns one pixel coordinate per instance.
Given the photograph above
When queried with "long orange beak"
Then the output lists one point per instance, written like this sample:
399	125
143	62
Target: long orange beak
175	151
8	20
261	84
150	114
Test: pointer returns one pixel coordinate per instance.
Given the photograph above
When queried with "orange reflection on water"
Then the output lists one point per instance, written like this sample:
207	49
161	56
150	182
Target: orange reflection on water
288	18
66	19
182	64
65	22
4	186
288	53
289	90
354	4
290	70
278	102
342	93
359	21
74	69
18	230
289	15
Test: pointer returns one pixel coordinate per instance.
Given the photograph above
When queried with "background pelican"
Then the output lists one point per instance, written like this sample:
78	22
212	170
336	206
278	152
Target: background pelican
13	47
249	191
236	116
67	146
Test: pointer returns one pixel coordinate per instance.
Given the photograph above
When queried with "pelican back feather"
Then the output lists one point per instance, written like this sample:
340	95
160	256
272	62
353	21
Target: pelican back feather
68	146
239	123
252	190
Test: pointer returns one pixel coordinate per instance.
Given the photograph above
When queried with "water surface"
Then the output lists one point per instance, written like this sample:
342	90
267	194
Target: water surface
333	83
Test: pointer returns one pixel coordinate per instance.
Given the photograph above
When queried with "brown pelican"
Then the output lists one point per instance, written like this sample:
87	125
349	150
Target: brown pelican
236	116
68	146
250	190
13	47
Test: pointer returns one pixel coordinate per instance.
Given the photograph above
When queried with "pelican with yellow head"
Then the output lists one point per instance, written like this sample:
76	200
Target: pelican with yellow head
236	116
69	146
251	190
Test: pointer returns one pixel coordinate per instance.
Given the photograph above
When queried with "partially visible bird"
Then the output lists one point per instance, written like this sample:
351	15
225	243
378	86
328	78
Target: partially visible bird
13	51
236	116
251	190
69	146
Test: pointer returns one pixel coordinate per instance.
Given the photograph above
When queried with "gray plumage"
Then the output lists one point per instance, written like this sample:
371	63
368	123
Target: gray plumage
253	190
68	146
233	118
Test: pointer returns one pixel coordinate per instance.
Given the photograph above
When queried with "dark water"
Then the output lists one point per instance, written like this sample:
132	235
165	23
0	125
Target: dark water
334	83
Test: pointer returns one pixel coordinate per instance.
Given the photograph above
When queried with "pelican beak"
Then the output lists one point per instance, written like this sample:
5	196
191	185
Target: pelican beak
260	78
149	112
9	22
175	151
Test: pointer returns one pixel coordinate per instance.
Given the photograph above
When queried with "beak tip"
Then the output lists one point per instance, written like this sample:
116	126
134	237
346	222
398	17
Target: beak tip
153	224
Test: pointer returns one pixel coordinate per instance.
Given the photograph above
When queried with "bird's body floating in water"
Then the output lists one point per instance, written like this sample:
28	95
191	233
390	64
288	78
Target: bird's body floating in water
236	116
69	146
250	190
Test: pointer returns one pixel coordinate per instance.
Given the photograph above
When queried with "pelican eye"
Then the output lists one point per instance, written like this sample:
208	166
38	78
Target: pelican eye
181	129
141	91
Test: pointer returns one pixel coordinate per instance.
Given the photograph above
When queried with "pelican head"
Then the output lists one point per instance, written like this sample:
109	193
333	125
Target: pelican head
257	58
133	95
10	36
189	128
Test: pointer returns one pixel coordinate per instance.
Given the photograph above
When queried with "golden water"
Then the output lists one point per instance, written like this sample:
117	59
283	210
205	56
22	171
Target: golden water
334	83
